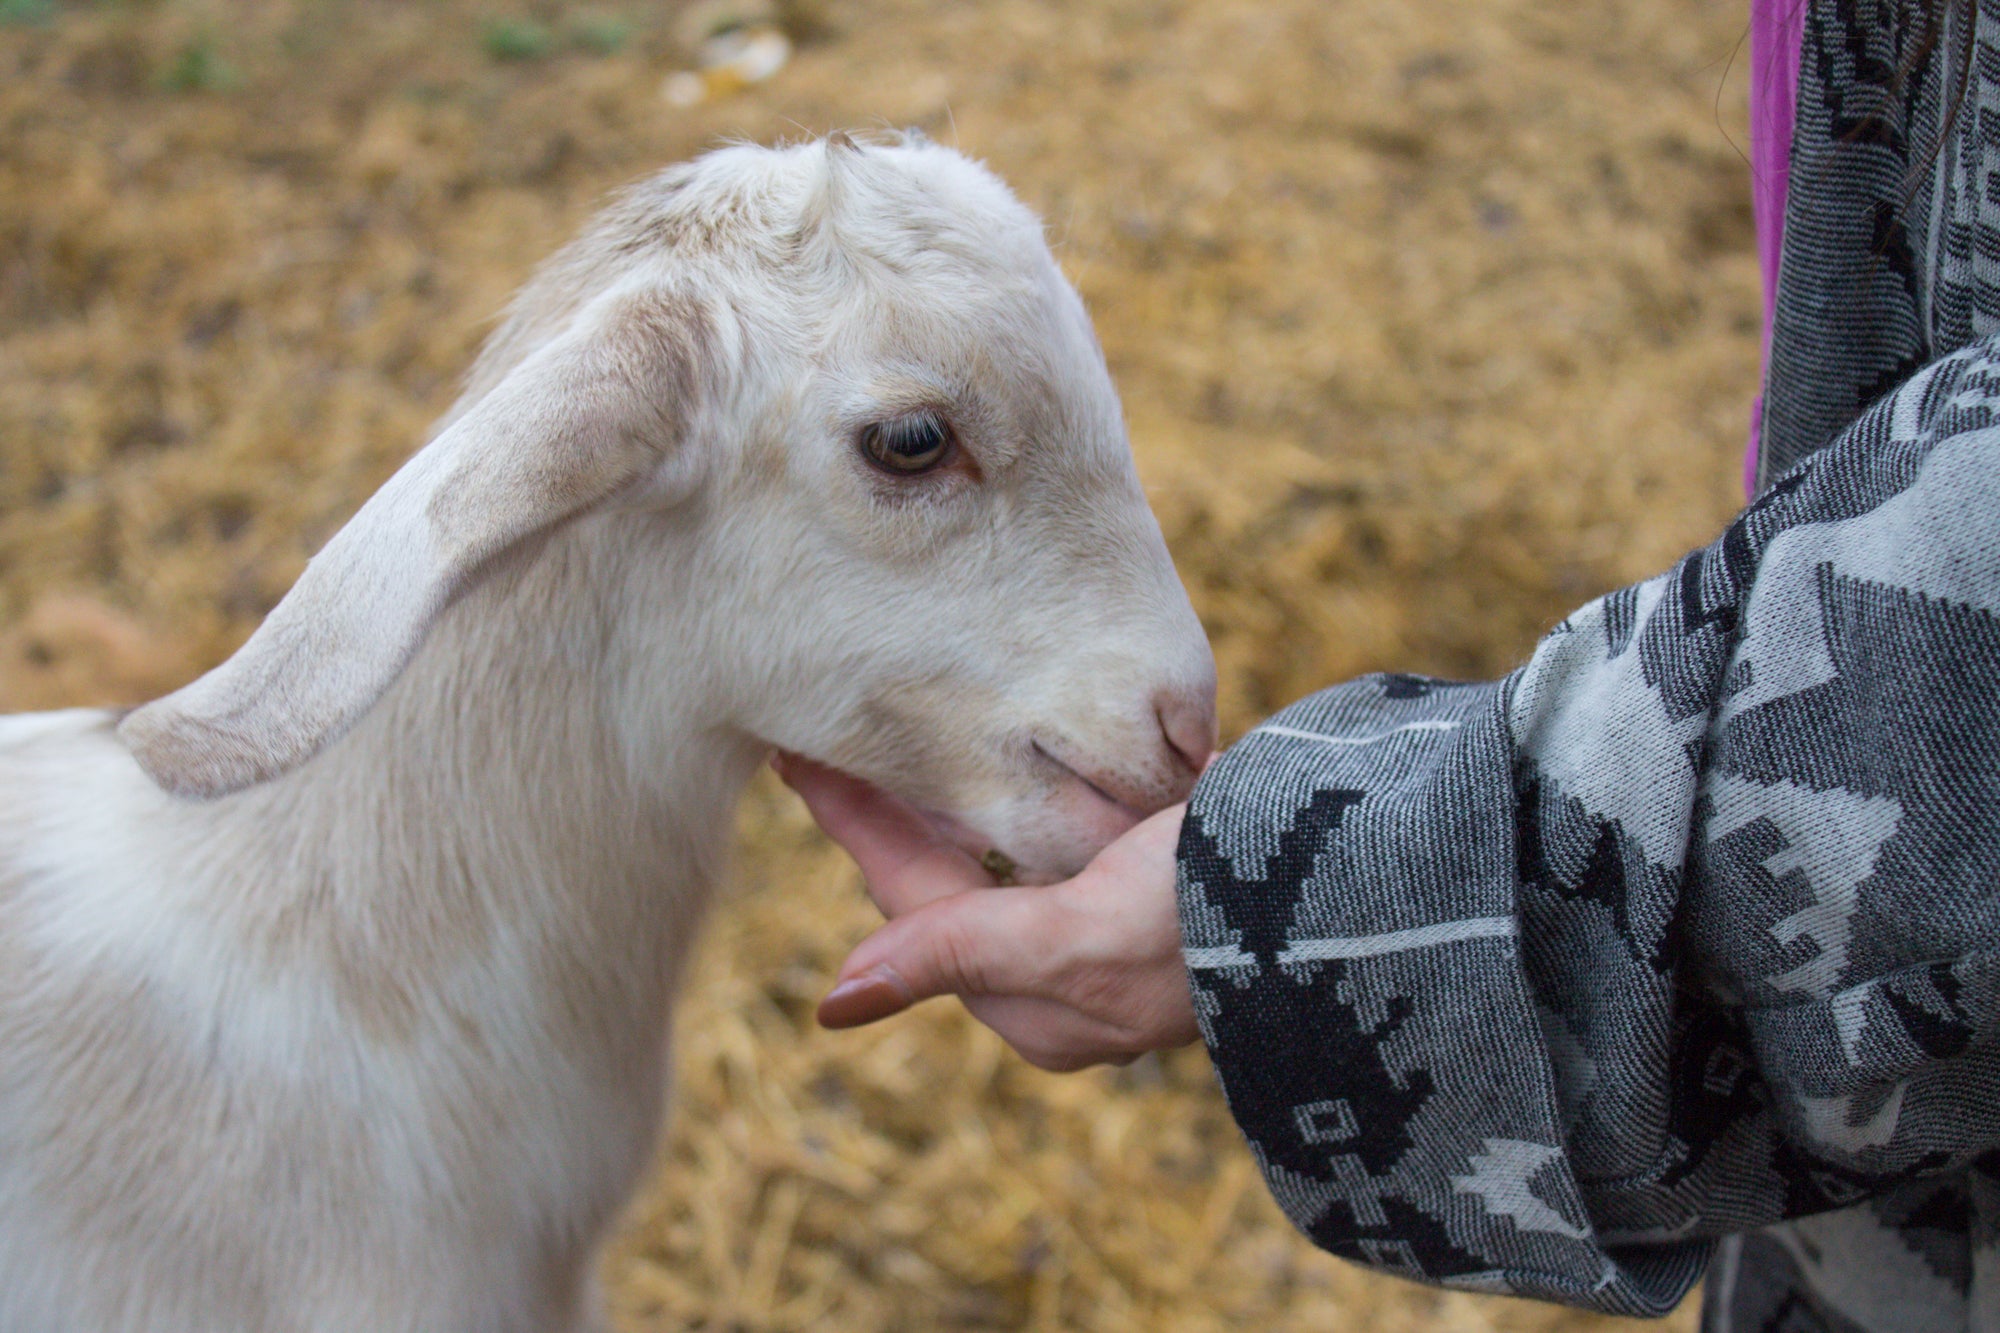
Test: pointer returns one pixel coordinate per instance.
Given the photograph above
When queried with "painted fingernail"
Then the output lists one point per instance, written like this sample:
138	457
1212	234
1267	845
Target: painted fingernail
875	994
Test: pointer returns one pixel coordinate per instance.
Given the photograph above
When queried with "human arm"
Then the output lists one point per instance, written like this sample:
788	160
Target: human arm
1683	929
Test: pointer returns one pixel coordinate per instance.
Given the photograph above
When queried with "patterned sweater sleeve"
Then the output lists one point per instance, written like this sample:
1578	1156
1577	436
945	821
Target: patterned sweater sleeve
1688	926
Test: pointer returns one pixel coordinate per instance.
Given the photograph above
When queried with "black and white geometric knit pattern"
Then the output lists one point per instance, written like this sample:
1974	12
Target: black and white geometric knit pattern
1892	219
1688	927
1681	946
1863	230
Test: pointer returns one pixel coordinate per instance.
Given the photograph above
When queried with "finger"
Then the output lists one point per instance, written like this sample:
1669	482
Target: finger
985	942
874	995
904	861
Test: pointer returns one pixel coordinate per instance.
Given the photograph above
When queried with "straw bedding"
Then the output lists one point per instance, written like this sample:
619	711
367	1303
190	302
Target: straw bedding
1433	320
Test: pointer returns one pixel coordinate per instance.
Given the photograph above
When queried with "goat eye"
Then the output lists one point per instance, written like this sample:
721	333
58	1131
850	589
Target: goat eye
908	445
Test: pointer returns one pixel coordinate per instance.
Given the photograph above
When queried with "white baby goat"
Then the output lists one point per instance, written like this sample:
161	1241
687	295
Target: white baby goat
334	987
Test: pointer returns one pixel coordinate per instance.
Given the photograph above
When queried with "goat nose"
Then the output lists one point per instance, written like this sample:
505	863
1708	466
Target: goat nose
1187	718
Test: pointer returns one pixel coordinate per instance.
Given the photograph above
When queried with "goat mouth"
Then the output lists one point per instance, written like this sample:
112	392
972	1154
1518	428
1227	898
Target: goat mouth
1123	807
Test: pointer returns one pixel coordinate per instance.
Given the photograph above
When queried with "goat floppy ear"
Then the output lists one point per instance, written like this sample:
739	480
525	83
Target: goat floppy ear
598	407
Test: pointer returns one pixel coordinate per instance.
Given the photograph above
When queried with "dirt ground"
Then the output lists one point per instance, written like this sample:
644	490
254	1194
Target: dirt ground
1434	318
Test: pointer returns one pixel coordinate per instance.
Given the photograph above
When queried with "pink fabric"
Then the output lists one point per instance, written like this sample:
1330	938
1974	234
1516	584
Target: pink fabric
1777	31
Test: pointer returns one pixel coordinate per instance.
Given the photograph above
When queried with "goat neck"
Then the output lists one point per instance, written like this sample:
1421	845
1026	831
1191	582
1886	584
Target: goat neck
516	814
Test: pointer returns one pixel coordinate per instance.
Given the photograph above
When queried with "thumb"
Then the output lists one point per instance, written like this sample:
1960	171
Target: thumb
980	942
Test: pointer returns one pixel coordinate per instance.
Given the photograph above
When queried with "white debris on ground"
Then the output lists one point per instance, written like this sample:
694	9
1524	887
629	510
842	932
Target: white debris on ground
736	43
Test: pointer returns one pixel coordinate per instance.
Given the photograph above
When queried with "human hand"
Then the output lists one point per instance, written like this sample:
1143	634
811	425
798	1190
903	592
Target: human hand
1074	974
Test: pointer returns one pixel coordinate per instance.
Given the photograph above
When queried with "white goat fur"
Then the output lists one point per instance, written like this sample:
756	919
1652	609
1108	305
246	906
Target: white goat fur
363	1026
